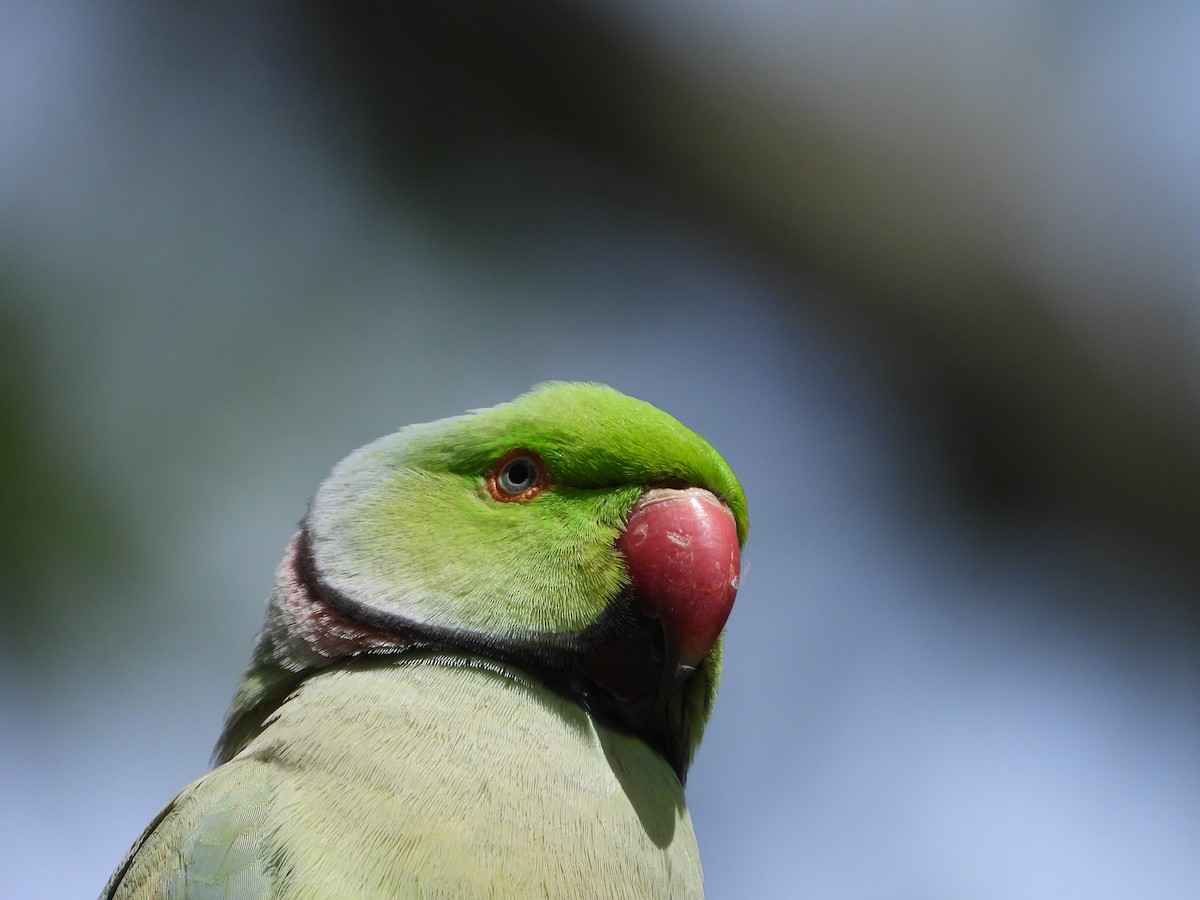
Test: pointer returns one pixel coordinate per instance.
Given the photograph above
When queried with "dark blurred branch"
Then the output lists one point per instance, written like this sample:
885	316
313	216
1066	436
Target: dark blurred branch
1029	420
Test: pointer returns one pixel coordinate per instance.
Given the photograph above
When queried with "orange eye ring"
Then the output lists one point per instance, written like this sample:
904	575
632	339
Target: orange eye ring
517	476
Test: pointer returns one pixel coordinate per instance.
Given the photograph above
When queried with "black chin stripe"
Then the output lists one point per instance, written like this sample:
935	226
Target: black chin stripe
410	630
568	669
327	596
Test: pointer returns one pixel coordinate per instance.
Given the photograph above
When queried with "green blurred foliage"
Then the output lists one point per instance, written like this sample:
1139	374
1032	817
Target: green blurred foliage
59	528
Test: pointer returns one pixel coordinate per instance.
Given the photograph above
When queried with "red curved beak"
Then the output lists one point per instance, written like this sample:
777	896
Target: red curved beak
681	551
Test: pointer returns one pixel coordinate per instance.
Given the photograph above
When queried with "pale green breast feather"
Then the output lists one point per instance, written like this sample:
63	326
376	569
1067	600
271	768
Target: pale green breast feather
490	654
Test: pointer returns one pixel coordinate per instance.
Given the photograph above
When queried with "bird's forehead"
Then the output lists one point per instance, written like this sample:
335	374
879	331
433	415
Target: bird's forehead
590	436
597	447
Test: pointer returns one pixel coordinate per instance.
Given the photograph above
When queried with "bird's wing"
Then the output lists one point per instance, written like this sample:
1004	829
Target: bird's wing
212	842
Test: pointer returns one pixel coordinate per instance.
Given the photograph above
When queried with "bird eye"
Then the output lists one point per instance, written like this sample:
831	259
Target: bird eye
517	475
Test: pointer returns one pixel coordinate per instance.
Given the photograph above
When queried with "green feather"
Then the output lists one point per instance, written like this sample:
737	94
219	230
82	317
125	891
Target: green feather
416	720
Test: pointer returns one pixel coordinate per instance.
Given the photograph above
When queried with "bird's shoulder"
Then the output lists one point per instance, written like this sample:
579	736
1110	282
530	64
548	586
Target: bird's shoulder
211	841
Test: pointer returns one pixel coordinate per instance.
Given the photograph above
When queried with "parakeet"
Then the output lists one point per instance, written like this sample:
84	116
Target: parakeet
489	656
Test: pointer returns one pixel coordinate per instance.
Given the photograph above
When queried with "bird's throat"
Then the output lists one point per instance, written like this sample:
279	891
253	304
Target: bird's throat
615	669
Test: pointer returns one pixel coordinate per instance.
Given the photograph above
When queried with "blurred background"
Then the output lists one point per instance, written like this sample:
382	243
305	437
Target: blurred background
925	272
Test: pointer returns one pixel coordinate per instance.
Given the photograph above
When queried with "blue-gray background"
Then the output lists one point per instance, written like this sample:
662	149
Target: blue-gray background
925	272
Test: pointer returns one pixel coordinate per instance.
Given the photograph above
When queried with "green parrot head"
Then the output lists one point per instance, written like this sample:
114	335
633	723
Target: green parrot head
578	534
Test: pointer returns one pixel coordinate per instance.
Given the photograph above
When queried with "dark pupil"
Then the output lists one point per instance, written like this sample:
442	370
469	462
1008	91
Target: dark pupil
518	475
